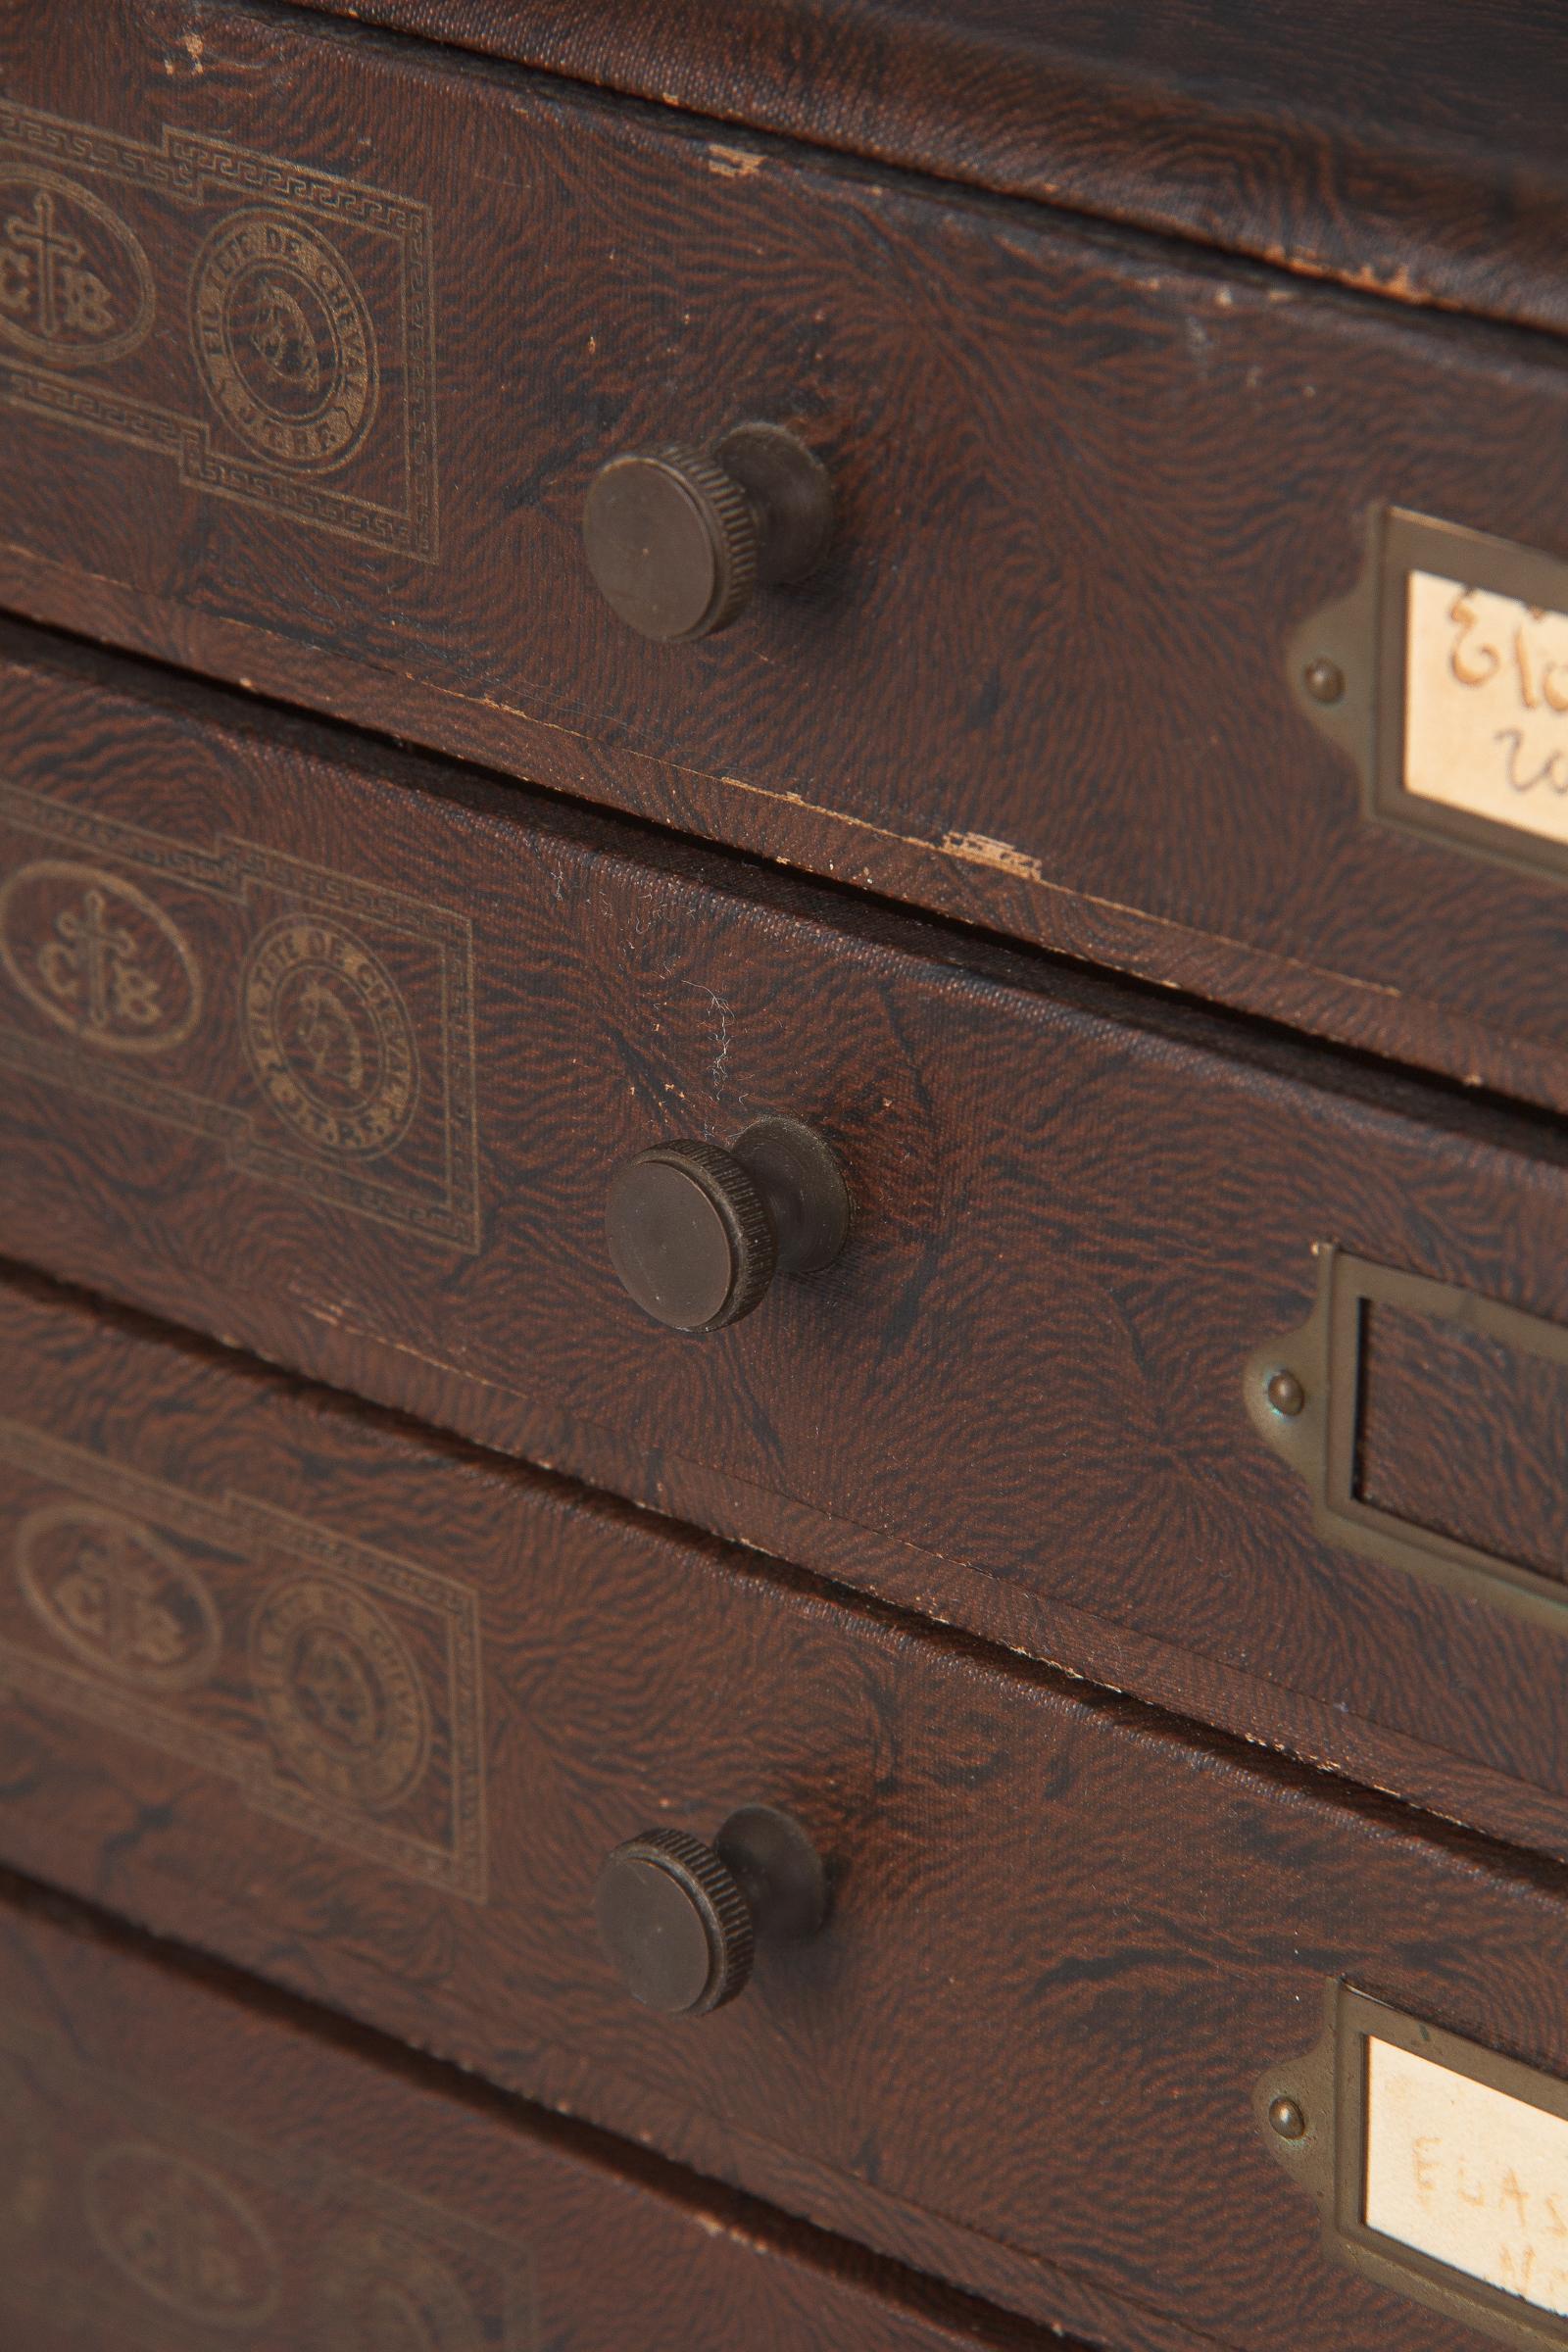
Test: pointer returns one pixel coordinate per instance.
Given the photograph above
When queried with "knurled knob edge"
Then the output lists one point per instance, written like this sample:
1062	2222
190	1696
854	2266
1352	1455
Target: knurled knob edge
731	1936
739	1199
731	512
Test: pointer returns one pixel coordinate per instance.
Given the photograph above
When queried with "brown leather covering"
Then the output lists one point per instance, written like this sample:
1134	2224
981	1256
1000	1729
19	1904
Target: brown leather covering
353	1090
364	1712
1090	484
191	2163
1413	150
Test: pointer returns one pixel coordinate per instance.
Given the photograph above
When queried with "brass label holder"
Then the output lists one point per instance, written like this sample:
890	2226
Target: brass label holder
1315	2115
1304	1393
1352	665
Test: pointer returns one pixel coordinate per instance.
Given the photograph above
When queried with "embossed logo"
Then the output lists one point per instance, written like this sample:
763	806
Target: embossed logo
182	2235
124	2221
387	2293
328	1037
286	341
99	958
118	1597
340	1694
75	286
301	376
336	1688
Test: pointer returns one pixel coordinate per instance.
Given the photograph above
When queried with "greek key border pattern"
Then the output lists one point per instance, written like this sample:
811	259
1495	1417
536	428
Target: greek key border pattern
183	170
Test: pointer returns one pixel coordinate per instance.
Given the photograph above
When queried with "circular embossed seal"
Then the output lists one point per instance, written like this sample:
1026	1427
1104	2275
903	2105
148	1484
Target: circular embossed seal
340	1694
329	1037
284	340
75	289
118	1597
187	2238
98	958
382	2291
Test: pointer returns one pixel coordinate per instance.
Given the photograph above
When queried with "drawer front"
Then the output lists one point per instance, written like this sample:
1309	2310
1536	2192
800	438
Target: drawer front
339	1058
368	1713
356	324
188	2169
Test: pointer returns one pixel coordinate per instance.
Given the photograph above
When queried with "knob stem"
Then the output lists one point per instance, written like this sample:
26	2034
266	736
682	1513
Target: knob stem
791	498
697	1233
681	1920
679	539
778	1870
803	1192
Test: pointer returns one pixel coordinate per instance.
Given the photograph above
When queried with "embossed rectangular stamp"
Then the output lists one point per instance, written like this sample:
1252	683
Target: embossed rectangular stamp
265	328
337	1687
317	1031
178	2233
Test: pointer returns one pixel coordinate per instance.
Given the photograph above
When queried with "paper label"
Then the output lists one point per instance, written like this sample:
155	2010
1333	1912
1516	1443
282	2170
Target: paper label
1486	716
1467	2175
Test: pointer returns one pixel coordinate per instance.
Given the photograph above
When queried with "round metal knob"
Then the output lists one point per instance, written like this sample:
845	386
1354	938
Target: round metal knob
697	1233
679	539
681	1920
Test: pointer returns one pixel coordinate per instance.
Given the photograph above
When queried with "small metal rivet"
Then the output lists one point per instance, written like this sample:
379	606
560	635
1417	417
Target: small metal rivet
1286	1393
1324	680
1286	2118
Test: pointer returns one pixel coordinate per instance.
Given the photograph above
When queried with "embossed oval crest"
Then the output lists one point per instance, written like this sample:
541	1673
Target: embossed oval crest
286	341
75	289
181	2234
340	1692
98	958
328	1037
118	1597
386	2293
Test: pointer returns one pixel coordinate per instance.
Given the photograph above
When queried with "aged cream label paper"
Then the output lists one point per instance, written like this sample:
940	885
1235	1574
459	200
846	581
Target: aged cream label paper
1486	716
1467	2175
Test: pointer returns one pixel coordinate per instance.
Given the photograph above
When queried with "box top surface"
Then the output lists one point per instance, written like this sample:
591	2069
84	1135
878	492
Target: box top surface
1413	150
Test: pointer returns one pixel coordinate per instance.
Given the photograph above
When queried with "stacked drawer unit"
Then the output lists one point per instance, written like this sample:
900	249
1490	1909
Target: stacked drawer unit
797	1385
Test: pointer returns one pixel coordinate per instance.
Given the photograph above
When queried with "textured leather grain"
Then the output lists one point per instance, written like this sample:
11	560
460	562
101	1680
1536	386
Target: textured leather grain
364	1712
1413	151
1089	486
335	1056
192	2162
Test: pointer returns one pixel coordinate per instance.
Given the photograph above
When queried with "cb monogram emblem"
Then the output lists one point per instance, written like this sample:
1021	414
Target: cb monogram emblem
181	2234
286	341
75	289
116	1596
336	1688
124	2221
340	1694
293	363
328	1037
97	957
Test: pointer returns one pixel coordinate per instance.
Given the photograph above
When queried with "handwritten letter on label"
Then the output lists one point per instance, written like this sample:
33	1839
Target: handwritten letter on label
1468	2175
1486	716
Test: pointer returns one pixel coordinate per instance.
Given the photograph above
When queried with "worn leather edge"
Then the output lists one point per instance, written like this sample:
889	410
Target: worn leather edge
1242	159
975	883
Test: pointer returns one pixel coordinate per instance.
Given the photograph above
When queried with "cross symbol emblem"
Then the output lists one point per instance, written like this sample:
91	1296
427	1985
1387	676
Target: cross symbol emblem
92	965
42	262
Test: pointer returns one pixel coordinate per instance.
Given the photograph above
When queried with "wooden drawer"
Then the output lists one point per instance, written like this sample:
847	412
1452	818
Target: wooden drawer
366	1712
188	2166
1093	491
1027	1397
